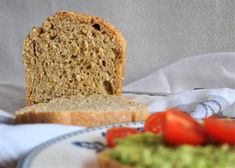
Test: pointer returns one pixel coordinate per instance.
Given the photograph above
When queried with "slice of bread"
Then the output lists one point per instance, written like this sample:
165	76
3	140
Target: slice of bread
105	161
88	111
73	54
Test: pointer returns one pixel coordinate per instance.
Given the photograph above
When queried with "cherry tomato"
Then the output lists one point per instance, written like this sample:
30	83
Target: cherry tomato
155	123
117	133
221	130
180	128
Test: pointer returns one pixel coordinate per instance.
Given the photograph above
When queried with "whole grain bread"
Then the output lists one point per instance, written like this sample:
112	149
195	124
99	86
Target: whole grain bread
73	54
105	161
88	111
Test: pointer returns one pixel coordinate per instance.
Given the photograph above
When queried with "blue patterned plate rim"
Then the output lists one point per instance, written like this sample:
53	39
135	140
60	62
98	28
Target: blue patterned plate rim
26	160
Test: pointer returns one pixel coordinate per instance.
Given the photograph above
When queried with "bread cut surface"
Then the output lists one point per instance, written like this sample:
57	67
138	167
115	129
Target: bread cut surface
73	54
85	111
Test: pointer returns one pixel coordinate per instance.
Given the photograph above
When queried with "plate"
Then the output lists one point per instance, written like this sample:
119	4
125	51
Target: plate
77	149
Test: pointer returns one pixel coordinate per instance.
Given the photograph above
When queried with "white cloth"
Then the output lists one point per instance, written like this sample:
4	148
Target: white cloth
15	141
214	70
199	103
179	78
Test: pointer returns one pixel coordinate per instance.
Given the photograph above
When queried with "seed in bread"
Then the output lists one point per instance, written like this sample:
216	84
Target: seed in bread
73	54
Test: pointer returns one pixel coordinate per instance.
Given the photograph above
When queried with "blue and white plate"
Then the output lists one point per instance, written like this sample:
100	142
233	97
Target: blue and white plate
77	149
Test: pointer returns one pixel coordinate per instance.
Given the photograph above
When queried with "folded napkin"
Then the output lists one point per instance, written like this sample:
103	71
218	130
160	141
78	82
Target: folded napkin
178	79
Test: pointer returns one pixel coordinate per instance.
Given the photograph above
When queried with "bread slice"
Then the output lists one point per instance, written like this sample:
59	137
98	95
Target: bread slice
105	161
88	111
73	54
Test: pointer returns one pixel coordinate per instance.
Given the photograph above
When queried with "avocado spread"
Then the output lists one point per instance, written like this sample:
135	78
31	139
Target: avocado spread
148	151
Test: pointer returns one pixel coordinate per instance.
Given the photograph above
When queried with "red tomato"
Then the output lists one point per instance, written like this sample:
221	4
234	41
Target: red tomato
221	130
118	132
155	123
180	128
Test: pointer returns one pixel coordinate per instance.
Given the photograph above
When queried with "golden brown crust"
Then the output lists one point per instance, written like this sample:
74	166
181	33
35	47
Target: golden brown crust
105	161
84	18
86	119
27	83
27	90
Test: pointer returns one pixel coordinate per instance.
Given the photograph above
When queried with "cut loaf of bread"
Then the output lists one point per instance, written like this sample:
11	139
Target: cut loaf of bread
88	111
73	54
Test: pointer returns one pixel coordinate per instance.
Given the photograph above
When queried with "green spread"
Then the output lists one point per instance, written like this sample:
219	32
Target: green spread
148	151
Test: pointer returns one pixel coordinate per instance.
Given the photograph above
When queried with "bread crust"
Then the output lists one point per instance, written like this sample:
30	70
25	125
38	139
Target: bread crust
84	18
85	119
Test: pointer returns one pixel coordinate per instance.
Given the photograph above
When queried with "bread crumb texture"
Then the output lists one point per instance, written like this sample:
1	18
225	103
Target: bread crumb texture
93	103
73	54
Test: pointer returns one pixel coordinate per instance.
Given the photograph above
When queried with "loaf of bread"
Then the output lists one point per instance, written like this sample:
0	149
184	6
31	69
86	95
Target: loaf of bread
73	54
85	111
